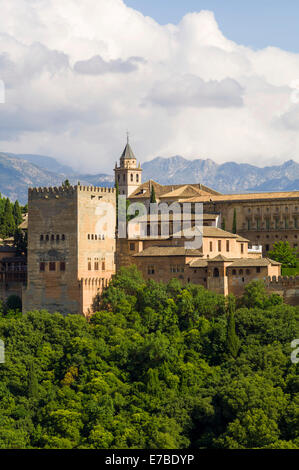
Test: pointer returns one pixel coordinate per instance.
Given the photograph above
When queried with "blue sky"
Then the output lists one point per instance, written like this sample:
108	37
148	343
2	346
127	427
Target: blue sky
255	23
93	69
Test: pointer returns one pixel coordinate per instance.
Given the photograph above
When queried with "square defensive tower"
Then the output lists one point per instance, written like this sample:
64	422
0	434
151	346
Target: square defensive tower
71	247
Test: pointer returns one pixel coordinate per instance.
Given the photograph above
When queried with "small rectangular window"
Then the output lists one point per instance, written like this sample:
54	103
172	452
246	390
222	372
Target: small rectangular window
52	266
42	266
103	266
132	246
219	245
242	247
62	266
211	246
96	266
89	266
151	270
227	245
258	270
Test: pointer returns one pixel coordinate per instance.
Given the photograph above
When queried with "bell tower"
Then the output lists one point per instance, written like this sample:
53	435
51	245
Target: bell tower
127	174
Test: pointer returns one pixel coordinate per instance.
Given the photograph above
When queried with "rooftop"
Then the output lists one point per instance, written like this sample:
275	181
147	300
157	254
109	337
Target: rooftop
172	191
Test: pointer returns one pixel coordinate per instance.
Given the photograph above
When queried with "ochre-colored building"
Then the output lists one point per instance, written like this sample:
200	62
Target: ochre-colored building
75	247
71	247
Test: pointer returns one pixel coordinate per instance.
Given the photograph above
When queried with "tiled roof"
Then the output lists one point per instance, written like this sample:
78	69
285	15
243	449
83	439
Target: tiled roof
208	231
128	152
220	258
198	263
168	251
243	262
174	190
245	197
173	216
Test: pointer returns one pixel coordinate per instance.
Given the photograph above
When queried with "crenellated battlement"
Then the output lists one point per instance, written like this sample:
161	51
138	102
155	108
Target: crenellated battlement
67	190
282	281
93	282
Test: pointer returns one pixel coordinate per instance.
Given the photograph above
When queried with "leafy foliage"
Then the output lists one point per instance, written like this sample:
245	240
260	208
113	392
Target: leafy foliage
155	367
284	254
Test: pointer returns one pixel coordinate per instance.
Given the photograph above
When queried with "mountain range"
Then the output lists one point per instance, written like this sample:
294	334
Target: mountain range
17	172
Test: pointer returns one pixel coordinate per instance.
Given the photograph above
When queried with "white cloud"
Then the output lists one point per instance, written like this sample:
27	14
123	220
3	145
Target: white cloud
189	90
78	74
98	66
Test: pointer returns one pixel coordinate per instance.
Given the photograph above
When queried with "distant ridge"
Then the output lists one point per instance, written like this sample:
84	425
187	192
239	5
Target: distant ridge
226	178
17	172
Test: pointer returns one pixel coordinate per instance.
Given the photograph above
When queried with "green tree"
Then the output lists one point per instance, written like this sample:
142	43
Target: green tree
20	242
14	302
235	221
284	254
66	183
17	213
223	223
153	195
32	382
232	340
7	220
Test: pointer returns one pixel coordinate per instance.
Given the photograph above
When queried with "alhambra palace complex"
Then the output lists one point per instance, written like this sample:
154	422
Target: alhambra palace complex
72	256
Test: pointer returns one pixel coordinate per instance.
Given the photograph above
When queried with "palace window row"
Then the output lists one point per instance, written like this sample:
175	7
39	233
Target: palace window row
52	266
219	245
276	224
93	236
52	237
176	269
131	178
96	264
247	272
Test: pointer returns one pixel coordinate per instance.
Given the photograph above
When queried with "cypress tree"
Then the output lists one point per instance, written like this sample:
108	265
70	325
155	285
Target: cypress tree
153	196
17	214
235	222
232	340
7	220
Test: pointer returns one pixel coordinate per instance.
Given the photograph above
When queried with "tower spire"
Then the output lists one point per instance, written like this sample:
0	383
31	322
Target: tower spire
128	137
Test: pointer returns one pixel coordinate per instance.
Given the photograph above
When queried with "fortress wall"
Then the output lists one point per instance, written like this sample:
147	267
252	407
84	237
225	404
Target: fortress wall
287	287
59	215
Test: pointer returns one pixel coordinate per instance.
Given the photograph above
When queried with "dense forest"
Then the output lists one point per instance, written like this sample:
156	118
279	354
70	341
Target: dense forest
157	366
11	216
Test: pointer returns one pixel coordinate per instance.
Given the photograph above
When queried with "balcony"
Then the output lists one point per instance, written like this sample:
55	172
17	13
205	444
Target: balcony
255	249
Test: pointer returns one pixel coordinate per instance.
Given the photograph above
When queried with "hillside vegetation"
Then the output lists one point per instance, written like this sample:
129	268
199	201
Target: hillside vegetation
157	366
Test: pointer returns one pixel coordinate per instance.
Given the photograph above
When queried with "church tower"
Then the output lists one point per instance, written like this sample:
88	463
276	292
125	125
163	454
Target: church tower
127	175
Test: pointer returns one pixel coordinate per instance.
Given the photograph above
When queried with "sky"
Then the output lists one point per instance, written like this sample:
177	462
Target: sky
201	79
255	23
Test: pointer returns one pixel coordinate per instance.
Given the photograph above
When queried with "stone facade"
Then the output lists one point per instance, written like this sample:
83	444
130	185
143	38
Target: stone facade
71	247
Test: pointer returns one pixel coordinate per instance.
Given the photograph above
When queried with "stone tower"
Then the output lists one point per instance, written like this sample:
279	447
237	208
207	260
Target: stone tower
127	175
71	247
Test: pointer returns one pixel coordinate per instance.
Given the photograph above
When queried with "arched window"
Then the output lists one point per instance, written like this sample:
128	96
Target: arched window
137	178
62	237
52	237
47	238
41	238
57	238
132	177
216	272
